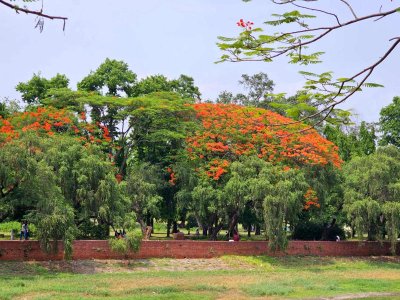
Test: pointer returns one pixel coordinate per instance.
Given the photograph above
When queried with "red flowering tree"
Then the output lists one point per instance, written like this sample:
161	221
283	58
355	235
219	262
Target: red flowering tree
229	131
48	121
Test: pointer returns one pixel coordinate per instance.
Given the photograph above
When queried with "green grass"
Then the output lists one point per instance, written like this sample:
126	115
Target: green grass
247	277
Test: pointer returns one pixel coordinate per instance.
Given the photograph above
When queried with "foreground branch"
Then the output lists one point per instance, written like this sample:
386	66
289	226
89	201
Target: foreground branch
33	12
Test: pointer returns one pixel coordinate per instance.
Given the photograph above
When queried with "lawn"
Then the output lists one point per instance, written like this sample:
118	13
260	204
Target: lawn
230	277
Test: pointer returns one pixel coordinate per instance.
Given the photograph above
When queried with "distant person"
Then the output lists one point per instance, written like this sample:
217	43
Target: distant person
197	232
24	231
236	237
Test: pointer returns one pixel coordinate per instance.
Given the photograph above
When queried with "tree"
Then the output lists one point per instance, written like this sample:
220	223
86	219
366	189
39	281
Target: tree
39	13
258	87
372	189
35	89
352	141
230	131
81	179
227	134
28	189
111	78
142	184
390	124
283	201
253	44
184	86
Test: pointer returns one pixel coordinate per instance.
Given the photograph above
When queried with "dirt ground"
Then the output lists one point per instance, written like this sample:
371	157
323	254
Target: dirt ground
118	266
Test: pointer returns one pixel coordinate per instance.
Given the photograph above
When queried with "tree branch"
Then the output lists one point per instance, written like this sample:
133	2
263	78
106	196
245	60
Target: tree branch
34	12
318	10
350	7
330	107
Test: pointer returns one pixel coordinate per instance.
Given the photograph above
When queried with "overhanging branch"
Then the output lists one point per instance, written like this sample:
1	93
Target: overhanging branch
33	12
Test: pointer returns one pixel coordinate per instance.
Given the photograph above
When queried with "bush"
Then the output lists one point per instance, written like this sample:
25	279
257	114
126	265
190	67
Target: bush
131	242
314	231
118	245
91	231
308	231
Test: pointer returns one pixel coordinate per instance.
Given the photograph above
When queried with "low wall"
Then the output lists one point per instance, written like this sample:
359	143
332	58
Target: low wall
30	250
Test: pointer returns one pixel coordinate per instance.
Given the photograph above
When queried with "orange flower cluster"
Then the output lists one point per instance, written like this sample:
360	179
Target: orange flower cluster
172	177
217	168
7	132
229	131
49	121
311	199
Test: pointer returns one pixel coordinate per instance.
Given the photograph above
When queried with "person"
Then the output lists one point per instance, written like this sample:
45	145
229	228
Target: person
24	231
26	236
236	237
197	232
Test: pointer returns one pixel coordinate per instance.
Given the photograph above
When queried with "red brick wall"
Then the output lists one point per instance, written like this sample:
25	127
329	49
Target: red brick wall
30	250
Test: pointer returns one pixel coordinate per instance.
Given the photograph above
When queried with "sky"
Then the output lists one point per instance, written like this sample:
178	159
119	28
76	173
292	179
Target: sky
173	37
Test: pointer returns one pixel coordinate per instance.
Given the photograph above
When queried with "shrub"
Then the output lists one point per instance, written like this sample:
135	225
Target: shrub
308	231
316	231
118	245
131	242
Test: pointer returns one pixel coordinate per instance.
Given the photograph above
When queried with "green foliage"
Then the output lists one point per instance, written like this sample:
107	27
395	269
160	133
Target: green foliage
282	203
258	87
308	231
390	123
372	188
125	245
289	34
74	187
54	218
112	77
364	215
357	141
118	245
391	210
143	182
35	89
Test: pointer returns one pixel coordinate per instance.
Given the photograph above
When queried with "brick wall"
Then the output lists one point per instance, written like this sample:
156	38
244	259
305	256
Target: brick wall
30	250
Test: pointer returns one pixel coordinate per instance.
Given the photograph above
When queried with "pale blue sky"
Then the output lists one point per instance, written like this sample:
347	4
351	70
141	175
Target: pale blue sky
174	37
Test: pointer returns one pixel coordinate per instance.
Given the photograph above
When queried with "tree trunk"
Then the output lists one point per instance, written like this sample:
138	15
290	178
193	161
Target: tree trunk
205	229
258	230
169	222
175	227
142	224
148	220
199	224
249	230
233	222
215	231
